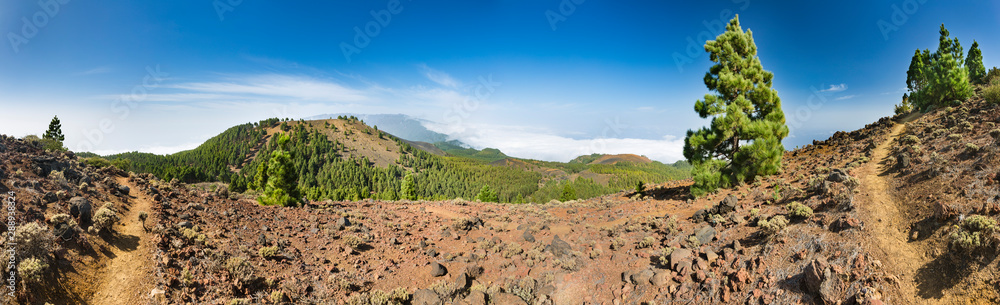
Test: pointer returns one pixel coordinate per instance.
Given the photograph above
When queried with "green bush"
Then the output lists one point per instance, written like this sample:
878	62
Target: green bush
97	162
486	194
992	94
796	209
104	218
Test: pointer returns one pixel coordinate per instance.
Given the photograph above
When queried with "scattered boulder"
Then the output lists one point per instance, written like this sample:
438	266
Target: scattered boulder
509	299
185	224
660	278
678	256
50	197
845	223
705	234
476	297
558	247
903	160
838	175
528	237
426	297
124	189
341	223
724	207
642	277
473	271
462	281
80	207
438	270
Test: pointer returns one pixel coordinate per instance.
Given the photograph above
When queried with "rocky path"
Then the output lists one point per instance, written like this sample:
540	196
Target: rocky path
889	224
127	279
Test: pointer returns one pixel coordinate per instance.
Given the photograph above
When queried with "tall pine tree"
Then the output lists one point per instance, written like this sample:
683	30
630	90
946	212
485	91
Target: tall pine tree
939	79
974	62
744	139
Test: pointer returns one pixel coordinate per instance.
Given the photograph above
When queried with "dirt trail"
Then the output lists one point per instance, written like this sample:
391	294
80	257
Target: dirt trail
889	224
128	277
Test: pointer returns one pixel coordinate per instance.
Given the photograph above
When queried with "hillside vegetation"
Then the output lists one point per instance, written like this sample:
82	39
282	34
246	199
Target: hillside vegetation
345	159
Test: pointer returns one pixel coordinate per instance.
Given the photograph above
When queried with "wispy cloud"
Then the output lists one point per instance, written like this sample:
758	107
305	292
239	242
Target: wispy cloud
98	70
276	85
835	88
846	97
439	77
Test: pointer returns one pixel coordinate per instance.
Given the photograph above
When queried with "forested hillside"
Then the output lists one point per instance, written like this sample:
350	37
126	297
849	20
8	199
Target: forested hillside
345	159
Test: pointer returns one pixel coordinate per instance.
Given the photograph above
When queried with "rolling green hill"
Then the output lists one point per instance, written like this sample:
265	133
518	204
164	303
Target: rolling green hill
345	159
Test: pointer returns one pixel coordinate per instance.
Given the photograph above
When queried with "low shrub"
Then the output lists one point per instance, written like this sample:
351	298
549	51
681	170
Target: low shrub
34	240
773	226
104	219
268	252
511	250
353	241
797	209
971	148
693	242
646	242
32	269
992	94
193	236
973	233
240	269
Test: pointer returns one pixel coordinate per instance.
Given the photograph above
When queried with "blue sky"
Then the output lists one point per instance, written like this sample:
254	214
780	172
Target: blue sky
538	79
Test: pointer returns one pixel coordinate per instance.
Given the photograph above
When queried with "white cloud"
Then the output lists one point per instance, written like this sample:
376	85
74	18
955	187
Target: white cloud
439	77
153	149
98	70
846	97
534	143
835	88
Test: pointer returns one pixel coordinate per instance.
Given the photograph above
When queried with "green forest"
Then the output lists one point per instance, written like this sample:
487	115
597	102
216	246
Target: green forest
325	170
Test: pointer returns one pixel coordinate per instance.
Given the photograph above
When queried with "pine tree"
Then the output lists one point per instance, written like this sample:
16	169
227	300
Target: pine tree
974	63
568	193
915	79
940	79
486	194
409	188
640	188
53	137
282	180
744	139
